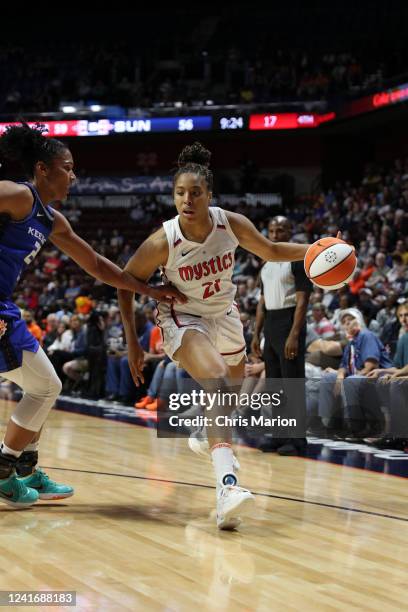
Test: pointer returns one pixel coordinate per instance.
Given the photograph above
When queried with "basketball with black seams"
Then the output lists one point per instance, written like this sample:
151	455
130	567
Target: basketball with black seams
330	263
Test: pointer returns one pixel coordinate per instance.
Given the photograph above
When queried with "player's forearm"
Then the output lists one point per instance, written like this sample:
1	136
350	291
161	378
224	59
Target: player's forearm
111	274
126	300
286	251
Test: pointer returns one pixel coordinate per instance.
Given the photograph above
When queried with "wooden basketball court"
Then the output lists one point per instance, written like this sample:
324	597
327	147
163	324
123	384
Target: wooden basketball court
139	533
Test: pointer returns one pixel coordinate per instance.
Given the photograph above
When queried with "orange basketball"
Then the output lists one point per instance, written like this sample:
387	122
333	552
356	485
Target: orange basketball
330	263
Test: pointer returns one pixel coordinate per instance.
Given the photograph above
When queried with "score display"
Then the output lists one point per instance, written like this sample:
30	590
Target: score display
287	121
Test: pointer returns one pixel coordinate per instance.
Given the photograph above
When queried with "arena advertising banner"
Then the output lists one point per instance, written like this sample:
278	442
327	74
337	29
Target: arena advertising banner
127	185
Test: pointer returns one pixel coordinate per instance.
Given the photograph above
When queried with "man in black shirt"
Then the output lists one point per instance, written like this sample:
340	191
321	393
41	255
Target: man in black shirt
281	311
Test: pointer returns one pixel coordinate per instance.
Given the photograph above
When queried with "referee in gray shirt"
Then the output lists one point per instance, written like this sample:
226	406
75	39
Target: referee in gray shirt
281	311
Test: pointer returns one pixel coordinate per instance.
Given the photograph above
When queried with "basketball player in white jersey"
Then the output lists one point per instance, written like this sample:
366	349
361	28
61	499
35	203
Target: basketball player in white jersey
195	250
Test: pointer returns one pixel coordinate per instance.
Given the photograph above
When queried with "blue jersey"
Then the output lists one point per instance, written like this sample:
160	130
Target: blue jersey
20	242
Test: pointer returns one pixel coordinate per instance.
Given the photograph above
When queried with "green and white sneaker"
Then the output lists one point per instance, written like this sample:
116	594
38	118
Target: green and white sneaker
46	488
16	493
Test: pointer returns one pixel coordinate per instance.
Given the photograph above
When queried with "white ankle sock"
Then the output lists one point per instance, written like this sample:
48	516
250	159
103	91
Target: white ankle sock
33	446
223	462
9	451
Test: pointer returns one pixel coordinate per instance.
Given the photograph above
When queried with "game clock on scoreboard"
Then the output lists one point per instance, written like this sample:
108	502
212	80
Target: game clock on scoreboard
231	123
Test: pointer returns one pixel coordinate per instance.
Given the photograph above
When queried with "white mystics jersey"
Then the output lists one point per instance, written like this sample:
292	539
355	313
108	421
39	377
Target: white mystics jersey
203	270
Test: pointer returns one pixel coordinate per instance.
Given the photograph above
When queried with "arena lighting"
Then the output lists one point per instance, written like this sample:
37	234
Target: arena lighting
69	109
95	108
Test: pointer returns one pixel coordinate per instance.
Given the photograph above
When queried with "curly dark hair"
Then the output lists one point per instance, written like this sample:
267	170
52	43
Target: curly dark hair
27	145
196	159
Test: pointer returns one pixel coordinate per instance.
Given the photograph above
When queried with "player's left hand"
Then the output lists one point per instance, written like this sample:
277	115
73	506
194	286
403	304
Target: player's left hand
168	294
291	347
136	362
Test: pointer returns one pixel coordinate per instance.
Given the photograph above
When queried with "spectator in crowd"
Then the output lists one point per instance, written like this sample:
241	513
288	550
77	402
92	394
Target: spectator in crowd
32	325
393	385
401	250
364	352
387	314
379	275
62	340
75	352
51	333
321	324
72	291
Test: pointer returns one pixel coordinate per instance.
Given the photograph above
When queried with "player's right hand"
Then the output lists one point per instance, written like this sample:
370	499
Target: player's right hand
136	363
168	294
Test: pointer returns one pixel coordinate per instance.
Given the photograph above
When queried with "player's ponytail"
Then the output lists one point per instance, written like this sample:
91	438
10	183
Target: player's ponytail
195	159
27	145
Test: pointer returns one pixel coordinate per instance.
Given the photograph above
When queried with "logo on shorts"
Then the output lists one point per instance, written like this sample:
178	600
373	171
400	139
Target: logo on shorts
3	327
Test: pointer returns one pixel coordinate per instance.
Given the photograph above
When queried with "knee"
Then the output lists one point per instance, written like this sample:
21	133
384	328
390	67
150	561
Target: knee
66	367
54	386
170	368
217	371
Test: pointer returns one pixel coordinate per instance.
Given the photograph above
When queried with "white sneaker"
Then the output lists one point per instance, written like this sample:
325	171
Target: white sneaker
199	446
233	502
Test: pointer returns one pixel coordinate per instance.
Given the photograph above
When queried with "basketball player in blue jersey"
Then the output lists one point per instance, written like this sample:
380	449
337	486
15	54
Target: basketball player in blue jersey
205	335
26	222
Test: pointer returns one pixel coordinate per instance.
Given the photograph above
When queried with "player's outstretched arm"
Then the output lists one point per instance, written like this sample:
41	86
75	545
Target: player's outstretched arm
64	237
256	243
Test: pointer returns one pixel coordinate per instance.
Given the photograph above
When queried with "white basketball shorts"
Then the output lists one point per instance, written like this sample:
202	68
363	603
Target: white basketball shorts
225	333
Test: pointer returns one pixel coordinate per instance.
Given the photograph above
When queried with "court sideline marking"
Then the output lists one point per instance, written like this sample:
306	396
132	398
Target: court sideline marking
203	486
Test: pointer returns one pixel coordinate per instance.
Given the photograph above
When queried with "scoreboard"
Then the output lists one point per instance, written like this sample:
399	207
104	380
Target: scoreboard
238	120
194	123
